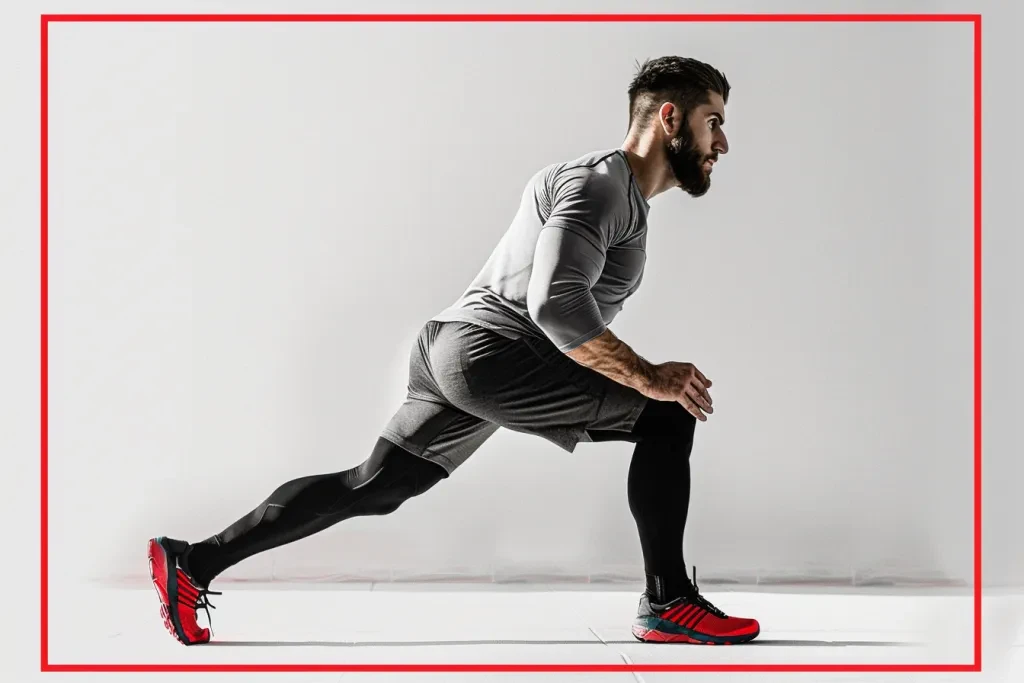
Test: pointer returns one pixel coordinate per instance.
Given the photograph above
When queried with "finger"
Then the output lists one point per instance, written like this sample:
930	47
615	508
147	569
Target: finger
696	387
700	375
701	398
692	408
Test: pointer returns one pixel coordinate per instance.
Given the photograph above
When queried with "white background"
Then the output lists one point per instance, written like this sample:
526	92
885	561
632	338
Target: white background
250	222
19	247
244	241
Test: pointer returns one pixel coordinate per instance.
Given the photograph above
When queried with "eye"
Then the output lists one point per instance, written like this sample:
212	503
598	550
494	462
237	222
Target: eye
712	123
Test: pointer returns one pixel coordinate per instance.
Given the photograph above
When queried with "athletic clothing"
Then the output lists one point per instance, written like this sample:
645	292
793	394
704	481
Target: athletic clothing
658	491
466	381
574	252
496	358
307	505
179	595
690	618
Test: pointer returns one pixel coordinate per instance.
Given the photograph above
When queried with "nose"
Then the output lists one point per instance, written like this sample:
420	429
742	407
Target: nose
721	143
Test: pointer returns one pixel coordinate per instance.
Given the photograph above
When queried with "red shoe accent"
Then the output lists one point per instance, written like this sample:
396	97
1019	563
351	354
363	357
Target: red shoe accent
702	622
696	626
179	597
691	619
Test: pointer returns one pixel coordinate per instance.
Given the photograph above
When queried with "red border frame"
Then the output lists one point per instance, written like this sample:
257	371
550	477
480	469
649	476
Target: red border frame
46	19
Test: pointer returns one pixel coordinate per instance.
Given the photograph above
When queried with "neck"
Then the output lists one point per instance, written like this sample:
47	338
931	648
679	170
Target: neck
648	162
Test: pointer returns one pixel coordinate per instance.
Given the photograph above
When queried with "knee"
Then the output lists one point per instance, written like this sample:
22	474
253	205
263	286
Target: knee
668	422
387	497
391	476
385	505
680	427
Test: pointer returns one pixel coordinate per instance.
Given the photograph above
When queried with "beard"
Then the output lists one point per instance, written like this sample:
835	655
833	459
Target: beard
687	164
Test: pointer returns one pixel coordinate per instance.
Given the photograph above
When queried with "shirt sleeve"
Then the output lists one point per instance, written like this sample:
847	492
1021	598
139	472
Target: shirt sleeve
569	259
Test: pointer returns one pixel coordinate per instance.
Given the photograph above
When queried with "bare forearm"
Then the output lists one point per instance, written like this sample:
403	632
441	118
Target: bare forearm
613	358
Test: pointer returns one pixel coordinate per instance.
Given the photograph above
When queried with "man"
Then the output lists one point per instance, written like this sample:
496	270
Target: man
527	347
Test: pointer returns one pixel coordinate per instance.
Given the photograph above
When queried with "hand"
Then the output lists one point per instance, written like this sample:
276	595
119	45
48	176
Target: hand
683	383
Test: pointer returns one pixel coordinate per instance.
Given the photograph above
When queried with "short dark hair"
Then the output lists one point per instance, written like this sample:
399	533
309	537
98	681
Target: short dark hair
684	81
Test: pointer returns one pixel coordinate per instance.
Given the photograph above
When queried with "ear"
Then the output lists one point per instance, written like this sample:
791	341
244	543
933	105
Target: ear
670	117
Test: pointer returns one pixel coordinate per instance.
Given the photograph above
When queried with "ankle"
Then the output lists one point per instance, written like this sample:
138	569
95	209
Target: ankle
194	562
664	588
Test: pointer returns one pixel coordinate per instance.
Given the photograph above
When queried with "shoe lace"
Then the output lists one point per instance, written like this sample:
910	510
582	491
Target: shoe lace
694	596
202	603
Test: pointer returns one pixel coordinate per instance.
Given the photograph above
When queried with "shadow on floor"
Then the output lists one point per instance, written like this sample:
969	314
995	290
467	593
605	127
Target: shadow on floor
768	642
456	643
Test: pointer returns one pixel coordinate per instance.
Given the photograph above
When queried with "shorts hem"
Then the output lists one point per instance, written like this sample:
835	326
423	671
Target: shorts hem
628	423
418	451
634	414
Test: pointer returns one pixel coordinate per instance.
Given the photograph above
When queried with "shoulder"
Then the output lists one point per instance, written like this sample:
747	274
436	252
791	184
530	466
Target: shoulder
596	178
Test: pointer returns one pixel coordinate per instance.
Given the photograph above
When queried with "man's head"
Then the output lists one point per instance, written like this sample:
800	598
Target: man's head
682	102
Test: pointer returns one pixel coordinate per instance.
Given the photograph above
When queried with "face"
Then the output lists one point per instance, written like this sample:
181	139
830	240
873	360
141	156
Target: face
696	146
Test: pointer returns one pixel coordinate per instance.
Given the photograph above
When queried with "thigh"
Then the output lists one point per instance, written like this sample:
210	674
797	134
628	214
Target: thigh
427	424
527	385
437	432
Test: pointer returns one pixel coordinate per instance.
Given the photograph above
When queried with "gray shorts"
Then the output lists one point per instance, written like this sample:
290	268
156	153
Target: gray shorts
466	381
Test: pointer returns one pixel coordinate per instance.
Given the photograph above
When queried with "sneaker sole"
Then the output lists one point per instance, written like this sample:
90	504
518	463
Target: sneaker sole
159	568
655	630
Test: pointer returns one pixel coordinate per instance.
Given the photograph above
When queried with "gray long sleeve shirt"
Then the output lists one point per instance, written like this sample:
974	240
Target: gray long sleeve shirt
574	252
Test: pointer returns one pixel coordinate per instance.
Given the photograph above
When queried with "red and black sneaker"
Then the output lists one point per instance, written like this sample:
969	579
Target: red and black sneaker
180	597
691	619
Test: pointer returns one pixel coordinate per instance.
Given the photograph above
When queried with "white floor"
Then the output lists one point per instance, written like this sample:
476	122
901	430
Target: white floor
397	623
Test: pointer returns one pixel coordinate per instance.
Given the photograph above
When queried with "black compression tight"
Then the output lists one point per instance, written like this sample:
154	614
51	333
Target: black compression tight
658	490
305	506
